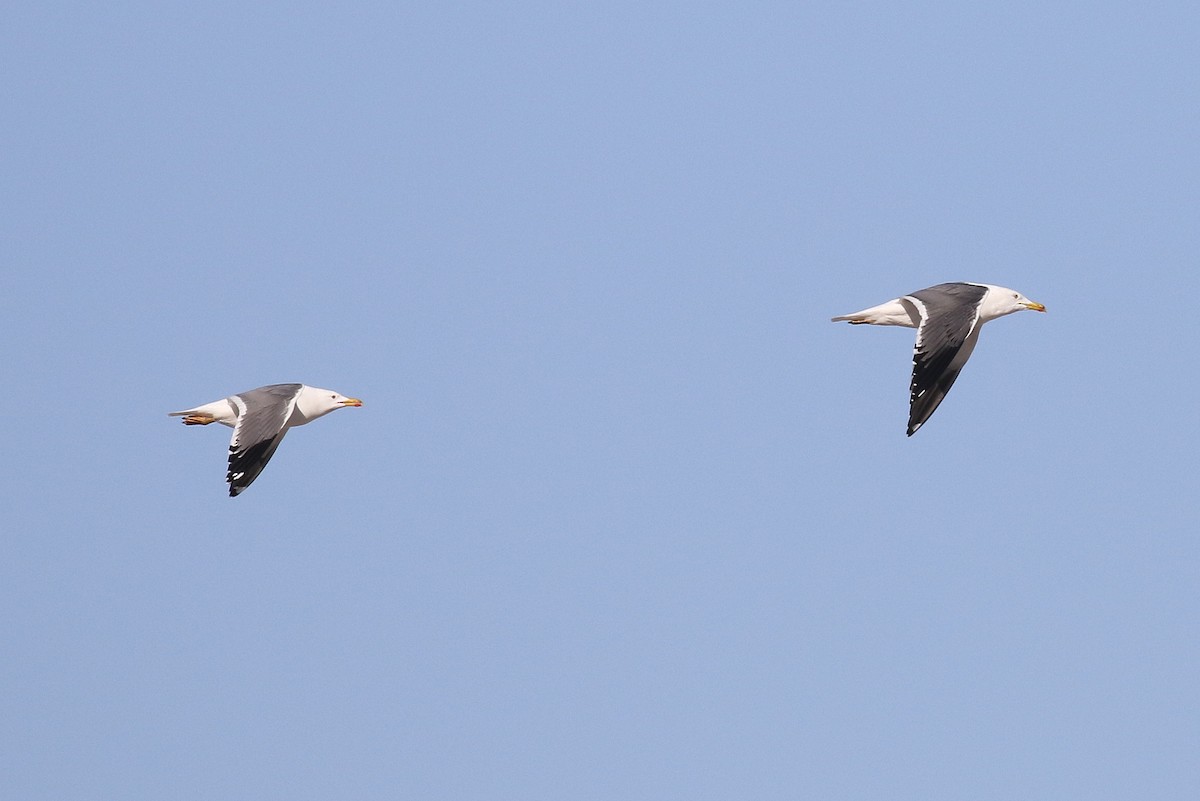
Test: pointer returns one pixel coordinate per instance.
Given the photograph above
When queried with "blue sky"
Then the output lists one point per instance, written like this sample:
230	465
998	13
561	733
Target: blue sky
624	515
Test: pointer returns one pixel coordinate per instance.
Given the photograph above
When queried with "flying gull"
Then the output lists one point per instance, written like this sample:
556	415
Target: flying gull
259	419
947	318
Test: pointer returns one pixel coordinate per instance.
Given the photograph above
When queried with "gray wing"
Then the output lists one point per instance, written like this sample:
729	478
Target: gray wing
945	339
262	416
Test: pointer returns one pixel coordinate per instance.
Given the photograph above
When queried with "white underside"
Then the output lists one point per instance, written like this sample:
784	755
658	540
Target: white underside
307	406
225	413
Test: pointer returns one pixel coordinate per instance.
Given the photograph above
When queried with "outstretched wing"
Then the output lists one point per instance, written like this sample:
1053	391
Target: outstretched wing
946	336
262	419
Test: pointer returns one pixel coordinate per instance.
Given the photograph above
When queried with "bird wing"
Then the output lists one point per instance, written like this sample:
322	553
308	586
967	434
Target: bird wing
946	336
262	421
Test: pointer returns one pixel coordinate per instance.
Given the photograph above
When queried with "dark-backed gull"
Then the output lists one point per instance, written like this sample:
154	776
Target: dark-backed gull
947	318
259	419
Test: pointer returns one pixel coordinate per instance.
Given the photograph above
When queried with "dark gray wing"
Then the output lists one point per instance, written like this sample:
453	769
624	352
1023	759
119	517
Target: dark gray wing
262	416
945	339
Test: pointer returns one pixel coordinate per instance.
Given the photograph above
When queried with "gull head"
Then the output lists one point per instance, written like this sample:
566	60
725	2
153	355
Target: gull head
1001	300
315	402
336	400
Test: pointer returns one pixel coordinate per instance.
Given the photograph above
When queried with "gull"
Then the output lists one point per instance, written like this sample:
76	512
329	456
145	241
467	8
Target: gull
259	419
947	318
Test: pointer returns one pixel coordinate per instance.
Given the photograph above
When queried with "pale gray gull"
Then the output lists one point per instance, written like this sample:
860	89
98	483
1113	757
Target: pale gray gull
947	318
259	419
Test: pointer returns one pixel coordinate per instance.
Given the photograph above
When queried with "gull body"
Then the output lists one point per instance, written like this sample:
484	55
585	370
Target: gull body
259	419
947	318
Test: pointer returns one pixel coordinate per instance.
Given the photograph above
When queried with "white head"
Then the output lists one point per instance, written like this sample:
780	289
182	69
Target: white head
1001	300
314	402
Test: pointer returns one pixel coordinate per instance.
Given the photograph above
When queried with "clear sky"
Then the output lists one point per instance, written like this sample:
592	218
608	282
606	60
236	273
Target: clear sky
624	515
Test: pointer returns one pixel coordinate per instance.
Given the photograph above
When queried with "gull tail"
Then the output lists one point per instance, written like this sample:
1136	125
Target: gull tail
215	412
853	319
